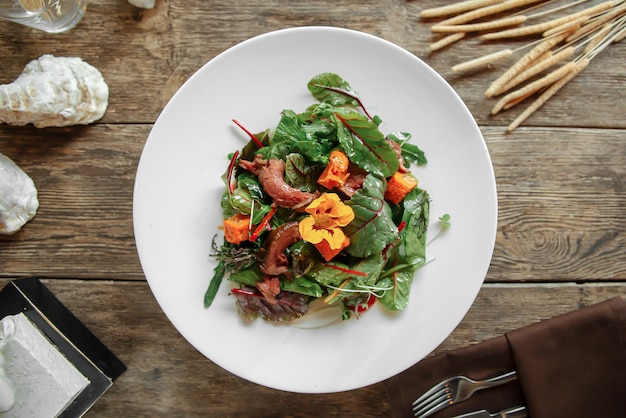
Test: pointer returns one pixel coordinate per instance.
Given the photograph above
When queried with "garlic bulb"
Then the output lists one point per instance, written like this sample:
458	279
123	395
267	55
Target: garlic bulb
18	197
145	4
54	91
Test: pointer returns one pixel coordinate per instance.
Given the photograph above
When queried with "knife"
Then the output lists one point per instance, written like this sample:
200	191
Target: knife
514	412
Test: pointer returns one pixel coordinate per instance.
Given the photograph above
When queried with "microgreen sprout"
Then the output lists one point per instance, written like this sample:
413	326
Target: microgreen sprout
444	224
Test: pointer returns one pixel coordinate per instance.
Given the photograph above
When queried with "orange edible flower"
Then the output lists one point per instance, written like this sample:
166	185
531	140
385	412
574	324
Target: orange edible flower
336	172
328	215
328	253
237	228
399	185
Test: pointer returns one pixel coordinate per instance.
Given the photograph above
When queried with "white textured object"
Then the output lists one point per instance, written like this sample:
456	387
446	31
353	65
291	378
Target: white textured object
54	91
7	391
18	196
144	4
45	382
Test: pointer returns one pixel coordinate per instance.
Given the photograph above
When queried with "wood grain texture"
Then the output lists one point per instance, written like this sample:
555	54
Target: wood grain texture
562	206
146	55
561	238
84	177
168	377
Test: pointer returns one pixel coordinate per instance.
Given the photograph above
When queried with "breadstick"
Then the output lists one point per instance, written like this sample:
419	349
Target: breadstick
533	87
448	40
456	8
486	11
483	26
522	63
485	59
542	27
537	68
545	96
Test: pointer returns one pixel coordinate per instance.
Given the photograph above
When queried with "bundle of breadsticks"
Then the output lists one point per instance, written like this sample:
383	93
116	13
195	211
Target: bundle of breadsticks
561	37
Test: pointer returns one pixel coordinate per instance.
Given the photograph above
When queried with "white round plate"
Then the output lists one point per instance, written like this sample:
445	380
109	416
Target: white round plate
177	210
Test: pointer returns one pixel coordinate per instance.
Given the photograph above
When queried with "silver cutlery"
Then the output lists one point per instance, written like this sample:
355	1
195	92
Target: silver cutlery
453	390
515	412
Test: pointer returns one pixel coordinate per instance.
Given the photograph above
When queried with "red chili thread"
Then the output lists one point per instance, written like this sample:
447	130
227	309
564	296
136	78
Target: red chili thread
250	134
263	224
231	170
240	291
355	272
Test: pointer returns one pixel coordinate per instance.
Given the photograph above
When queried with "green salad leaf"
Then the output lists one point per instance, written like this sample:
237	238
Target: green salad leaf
364	271
411	153
372	228
299	174
330	88
386	242
408	253
365	145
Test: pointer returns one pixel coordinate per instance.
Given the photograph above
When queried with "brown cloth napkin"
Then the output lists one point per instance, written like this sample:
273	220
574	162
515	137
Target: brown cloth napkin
570	366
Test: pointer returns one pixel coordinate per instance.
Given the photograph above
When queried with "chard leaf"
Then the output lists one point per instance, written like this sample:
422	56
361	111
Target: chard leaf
302	285
331	88
372	228
335	273
411	153
365	145
408	253
241	200
398	298
251	148
328	274
252	304
299	174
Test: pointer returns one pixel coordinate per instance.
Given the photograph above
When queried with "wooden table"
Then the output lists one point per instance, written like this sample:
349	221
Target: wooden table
561	178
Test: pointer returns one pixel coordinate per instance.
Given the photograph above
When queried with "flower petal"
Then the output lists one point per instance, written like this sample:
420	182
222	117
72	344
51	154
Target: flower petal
335	238
328	215
309	232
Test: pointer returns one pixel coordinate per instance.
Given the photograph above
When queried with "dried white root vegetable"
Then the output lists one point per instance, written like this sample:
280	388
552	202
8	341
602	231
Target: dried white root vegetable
54	91
18	197
144	4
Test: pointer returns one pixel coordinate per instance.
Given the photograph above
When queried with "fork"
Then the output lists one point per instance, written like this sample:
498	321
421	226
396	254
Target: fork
514	412
453	390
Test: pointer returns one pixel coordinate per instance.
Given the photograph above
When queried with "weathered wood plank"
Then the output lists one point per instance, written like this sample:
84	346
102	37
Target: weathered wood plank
560	181
85	178
166	376
561	203
146	55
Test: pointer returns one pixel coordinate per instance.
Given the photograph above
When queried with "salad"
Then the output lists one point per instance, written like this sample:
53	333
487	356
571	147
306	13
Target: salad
323	207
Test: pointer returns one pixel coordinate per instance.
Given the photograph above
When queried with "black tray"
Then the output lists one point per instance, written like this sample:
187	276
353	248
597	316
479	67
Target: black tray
70	336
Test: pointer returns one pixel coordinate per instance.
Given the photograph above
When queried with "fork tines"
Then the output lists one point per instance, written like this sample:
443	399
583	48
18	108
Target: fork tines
432	401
